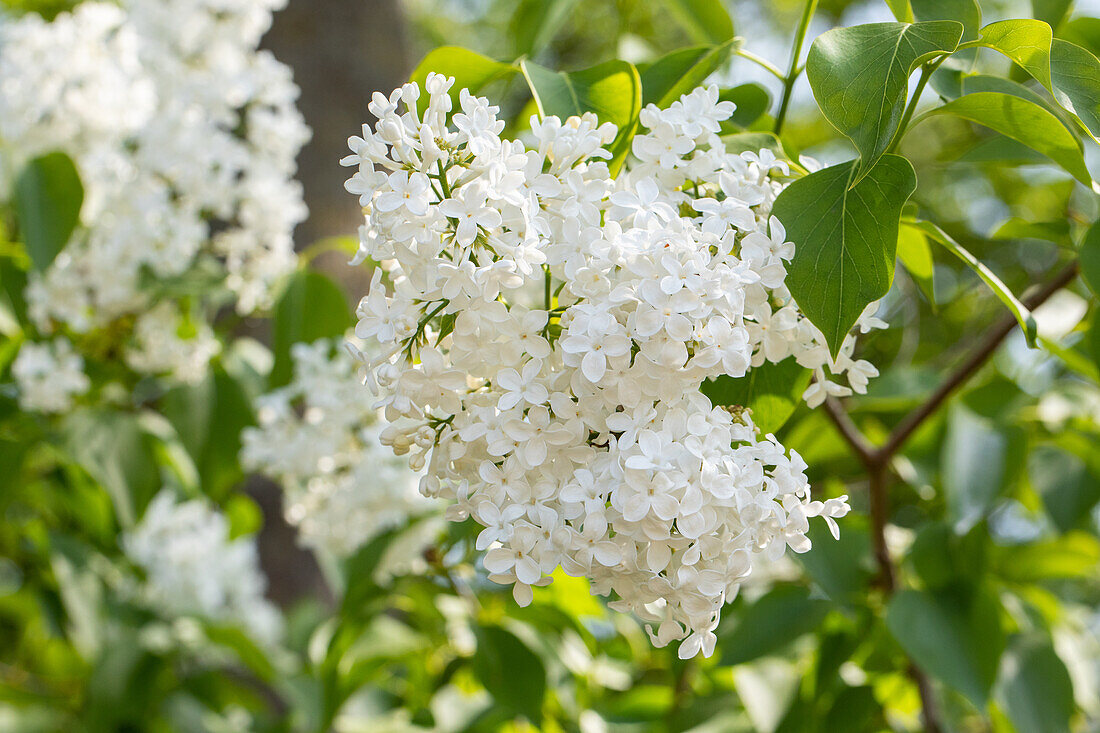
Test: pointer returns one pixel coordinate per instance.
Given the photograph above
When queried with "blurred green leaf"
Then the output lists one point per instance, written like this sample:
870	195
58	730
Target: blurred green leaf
47	198
916	256
613	90
706	21
470	70
115	451
954	635
246	650
1050	231
1089	255
1052	12
244	515
513	674
847	240
1073	555
1023	121
752	101
1035	688
311	307
942	558
769	623
966	12
535	23
771	391
1067	487
1019	310
859	77
842	568
973	466
680	72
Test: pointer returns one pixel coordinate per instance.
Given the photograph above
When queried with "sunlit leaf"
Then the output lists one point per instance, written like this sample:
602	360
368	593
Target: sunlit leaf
916	256
613	90
771	391
706	21
1075	73
471	71
680	72
859	77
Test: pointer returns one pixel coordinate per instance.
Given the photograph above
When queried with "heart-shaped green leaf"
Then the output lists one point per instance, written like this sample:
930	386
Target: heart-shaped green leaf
845	240
1023	121
860	75
669	77
613	90
47	197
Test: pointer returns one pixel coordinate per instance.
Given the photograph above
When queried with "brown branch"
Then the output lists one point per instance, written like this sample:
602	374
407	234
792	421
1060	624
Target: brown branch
978	357
876	460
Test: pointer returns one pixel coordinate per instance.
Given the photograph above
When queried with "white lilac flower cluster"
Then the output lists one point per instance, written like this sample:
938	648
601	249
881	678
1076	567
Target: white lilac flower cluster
548	330
49	374
185	138
319	438
193	568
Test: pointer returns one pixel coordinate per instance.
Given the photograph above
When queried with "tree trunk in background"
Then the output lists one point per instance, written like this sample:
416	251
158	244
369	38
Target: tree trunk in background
342	51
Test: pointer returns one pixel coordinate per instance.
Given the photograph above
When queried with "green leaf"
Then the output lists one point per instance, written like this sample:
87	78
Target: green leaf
1023	121
768	624
209	417
47	199
512	673
941	558
901	10
966	12
536	22
1084	32
860	76
752	102
706	21
237	641
312	307
973	464
771	391
985	83
1019	310
755	141
1056	231
613	90
1051	12
1075	74
916	256
1067	487
1089	256
842	568
1035	689
678	73
244	515
845	240
471	71
1075	554
115	451
1025	41
955	636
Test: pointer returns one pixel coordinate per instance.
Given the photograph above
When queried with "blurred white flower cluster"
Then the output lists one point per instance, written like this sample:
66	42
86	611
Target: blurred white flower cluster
319	438
193	568
547	333
185	137
49	373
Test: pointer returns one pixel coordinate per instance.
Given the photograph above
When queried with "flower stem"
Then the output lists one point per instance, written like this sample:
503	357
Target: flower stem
794	70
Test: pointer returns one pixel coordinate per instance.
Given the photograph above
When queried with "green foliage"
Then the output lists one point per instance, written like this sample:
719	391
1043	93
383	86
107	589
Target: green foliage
860	77
847	230
771	391
613	90
706	21
1035	687
47	199
311	307
470	70
671	76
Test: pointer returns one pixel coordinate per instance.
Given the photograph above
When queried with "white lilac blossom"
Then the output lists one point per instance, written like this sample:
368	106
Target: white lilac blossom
184	135
48	375
320	438
548	330
193	568
166	342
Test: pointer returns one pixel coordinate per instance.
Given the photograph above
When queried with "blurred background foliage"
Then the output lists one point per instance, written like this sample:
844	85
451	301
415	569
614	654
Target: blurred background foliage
993	508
